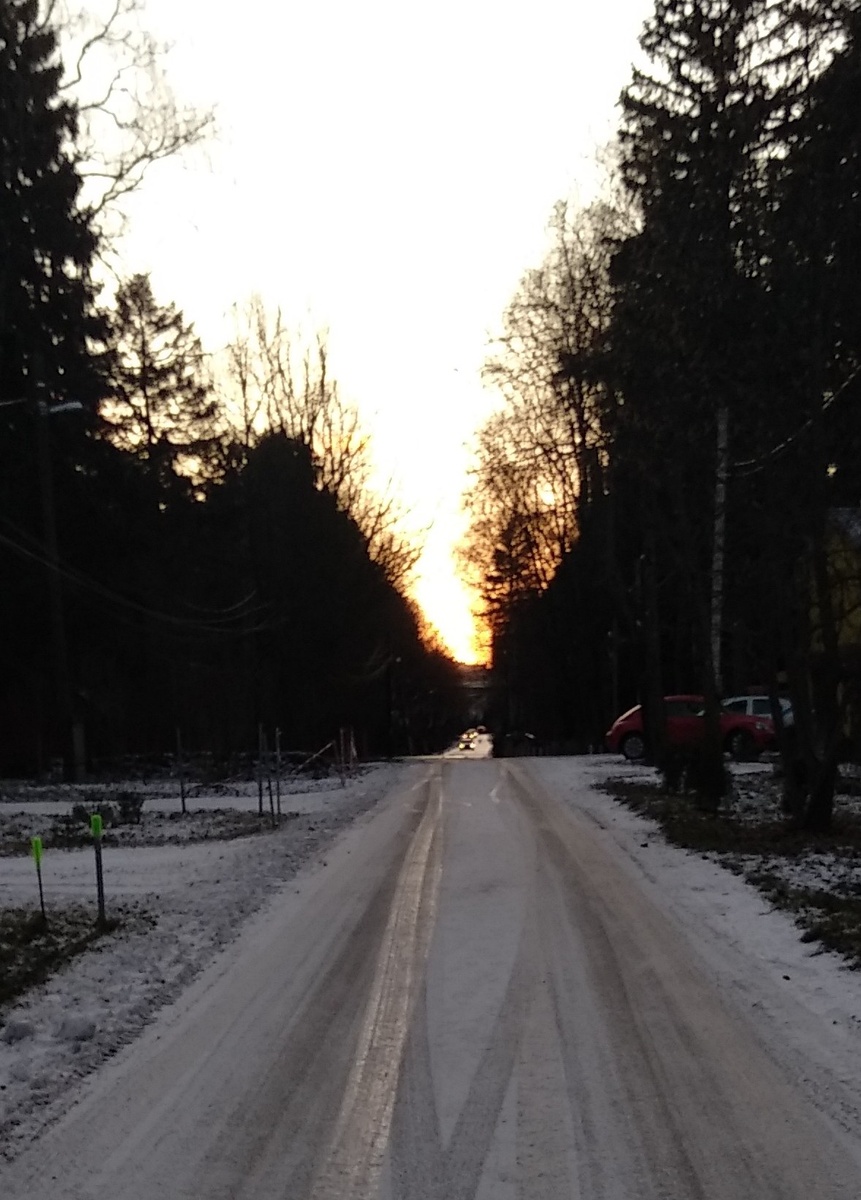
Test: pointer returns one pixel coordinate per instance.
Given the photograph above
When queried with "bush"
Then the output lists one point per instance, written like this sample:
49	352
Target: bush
115	808
129	805
80	813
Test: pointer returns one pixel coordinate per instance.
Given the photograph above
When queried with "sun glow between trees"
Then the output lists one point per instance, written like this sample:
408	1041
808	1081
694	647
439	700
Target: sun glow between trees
448	605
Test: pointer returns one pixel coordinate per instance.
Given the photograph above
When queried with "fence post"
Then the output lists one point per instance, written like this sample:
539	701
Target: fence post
181	767
260	741
36	847
342	755
96	830
278	772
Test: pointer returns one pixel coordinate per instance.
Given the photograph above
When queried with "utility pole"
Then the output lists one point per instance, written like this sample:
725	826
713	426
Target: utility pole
719	546
71	728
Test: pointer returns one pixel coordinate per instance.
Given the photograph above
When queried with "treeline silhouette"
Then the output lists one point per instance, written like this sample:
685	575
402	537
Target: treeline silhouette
665	504
189	548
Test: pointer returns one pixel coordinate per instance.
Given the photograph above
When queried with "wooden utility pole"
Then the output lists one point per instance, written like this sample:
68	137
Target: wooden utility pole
71	728
719	546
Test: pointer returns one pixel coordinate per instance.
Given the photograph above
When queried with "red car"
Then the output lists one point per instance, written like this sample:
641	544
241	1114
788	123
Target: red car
742	734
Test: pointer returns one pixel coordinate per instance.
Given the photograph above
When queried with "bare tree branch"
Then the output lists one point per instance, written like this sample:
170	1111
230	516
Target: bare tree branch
128	117
285	385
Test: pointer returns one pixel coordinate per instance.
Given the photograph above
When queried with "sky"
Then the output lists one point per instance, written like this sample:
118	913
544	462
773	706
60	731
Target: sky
384	171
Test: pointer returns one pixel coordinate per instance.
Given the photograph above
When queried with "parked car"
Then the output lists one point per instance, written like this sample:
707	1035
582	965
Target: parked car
758	706
741	733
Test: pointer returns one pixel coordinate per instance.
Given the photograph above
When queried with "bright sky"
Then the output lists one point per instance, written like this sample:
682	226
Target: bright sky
384	169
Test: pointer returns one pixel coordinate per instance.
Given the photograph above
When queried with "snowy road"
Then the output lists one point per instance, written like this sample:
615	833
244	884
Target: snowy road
476	998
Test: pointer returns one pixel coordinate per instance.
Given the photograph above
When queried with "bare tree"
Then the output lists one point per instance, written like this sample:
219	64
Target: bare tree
539	461
276	380
518	529
128	117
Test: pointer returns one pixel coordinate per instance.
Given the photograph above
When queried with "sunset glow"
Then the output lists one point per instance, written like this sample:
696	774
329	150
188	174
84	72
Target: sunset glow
351	190
448	603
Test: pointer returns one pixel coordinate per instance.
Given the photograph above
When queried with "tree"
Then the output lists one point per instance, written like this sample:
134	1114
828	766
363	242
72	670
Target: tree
809	458
278	383
66	95
46	243
160	405
699	136
174	549
541	460
47	319
544	362
129	118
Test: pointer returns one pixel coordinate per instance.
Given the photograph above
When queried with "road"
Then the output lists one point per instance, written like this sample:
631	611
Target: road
472	1000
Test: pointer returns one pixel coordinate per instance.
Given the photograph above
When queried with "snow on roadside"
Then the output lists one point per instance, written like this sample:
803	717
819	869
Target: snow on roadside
180	905
706	895
804	1001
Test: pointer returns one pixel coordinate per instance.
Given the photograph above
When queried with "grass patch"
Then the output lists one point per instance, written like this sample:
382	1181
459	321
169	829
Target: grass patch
767	852
831	918
31	950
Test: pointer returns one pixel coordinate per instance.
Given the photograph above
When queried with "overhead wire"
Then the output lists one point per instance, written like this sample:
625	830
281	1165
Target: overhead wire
752	466
227	627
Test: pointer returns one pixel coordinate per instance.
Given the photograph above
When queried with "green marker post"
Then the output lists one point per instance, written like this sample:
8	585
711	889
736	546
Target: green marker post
36	847
96	830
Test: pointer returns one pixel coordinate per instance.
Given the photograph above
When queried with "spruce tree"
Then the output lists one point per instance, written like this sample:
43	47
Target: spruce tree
47	244
46	241
160	407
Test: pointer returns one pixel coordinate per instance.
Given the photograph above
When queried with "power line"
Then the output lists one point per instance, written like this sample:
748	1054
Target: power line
752	466
227	628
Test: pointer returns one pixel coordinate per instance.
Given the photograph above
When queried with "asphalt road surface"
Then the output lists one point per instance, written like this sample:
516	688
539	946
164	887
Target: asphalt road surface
471	1000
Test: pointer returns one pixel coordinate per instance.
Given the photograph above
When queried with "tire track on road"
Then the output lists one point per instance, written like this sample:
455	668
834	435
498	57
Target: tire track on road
301	1091
353	1163
424	1168
673	1094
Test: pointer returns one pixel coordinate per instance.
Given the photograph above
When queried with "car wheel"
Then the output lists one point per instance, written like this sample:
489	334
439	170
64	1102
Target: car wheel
740	745
633	747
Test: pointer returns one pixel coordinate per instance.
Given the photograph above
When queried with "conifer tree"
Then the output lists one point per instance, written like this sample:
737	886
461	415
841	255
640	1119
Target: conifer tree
703	136
46	242
47	319
160	407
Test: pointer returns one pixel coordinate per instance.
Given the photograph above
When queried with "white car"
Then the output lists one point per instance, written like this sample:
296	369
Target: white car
757	706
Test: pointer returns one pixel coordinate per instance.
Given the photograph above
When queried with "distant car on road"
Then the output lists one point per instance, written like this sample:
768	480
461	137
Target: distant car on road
742	734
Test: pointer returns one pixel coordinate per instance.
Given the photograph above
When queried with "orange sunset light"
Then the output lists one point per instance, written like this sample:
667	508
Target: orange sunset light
448	604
